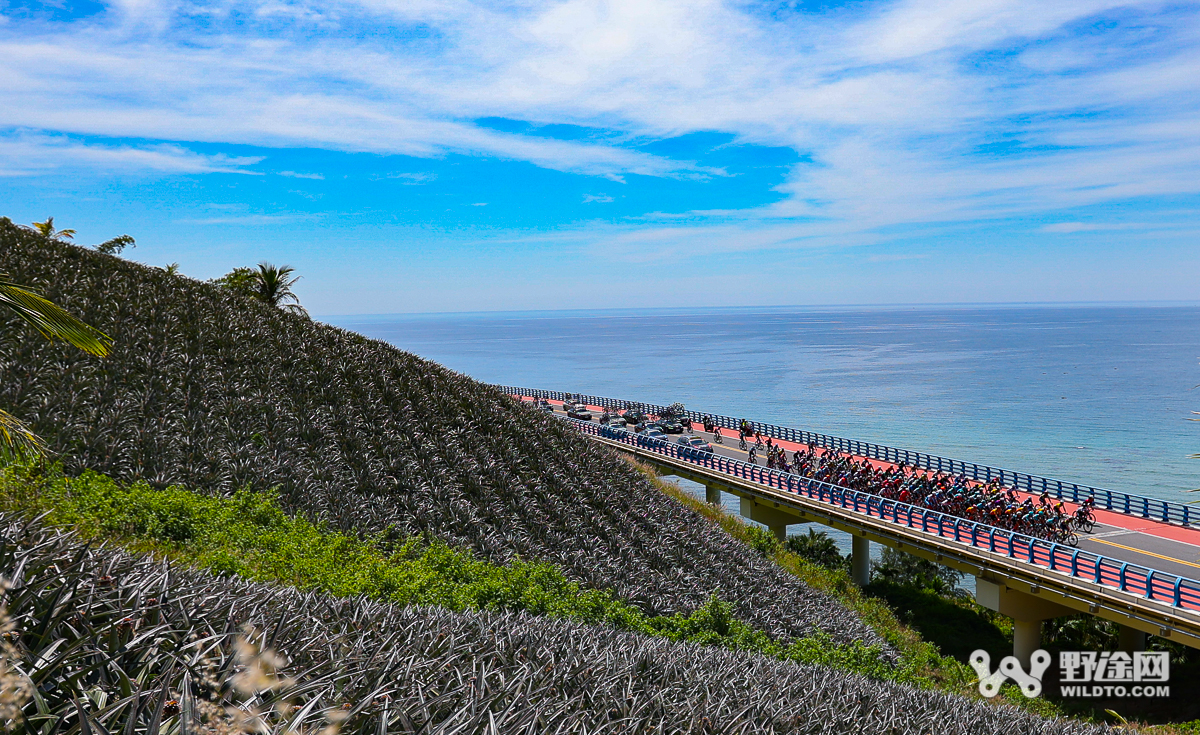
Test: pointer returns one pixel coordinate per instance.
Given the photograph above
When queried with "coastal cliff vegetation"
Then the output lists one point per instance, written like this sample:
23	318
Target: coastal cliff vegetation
253	522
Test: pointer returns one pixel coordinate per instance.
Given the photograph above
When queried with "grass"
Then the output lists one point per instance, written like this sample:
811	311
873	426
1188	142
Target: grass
932	634
921	662
249	535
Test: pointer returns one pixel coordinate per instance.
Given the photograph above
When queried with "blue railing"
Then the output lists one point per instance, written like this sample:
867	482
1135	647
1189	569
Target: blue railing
1151	584
1119	502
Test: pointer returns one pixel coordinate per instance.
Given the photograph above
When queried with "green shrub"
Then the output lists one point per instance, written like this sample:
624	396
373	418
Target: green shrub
761	540
901	568
249	535
819	548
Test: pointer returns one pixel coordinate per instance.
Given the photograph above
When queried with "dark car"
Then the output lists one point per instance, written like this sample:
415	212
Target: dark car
582	414
635	417
695	442
670	427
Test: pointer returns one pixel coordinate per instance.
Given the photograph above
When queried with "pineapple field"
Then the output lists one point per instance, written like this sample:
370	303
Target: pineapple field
113	643
210	390
375	447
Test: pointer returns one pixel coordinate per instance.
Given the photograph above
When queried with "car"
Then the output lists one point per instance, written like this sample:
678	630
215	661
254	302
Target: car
579	413
545	407
670	427
695	442
617	422
635	417
655	434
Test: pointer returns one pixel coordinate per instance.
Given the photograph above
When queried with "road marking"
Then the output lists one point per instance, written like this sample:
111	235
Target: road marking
1147	553
1097	538
1110	534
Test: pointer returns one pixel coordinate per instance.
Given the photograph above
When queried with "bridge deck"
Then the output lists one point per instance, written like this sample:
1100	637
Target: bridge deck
1148	543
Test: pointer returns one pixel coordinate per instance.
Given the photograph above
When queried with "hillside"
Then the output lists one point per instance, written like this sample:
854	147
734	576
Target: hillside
215	392
127	630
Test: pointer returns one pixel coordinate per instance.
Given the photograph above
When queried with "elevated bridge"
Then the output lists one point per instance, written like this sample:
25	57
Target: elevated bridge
1136	568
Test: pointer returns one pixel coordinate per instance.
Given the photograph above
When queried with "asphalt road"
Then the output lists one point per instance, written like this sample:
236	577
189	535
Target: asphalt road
1146	543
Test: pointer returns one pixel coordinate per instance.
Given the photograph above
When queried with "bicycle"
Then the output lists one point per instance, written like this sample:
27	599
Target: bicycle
1084	519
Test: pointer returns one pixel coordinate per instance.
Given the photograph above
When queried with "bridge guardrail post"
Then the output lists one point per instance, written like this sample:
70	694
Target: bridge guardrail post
1181	590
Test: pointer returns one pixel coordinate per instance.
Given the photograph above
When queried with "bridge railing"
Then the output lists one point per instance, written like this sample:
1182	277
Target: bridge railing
1112	500
1151	584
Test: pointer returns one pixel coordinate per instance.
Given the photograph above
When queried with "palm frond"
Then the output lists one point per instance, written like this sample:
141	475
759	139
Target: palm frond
17	441
51	319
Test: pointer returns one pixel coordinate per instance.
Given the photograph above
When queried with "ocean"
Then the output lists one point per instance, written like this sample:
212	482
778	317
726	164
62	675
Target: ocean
1096	394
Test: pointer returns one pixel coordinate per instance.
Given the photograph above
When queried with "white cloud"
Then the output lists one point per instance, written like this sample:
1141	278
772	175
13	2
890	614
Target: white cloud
244	219
895	103
599	198
296	175
896	257
413	179
24	153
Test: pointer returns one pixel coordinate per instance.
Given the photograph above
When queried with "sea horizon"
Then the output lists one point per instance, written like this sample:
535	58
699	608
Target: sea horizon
924	306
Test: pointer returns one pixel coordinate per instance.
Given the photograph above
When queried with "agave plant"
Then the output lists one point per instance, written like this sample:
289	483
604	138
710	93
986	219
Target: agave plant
105	642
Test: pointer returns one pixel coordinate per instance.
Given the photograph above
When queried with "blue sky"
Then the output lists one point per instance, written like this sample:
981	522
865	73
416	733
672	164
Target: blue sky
446	155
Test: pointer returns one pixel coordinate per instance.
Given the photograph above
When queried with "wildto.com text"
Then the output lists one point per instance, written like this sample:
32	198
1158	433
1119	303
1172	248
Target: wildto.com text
1081	673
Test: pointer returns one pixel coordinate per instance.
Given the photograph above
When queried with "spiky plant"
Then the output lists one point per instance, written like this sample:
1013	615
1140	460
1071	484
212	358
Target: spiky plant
214	391
17	439
108	643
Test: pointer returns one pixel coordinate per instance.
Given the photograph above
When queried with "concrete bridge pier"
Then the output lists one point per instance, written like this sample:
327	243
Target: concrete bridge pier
860	561
712	495
1132	639
1027	611
772	518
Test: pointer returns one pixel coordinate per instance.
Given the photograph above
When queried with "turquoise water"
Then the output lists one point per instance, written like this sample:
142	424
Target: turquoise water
1093	394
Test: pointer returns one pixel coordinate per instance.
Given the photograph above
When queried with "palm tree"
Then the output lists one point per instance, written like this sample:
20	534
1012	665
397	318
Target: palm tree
46	230
17	439
116	245
273	285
